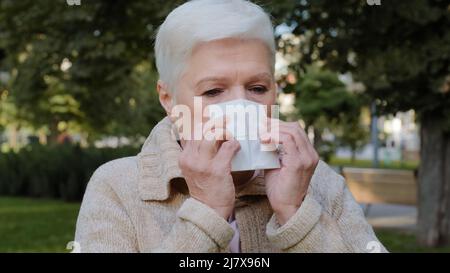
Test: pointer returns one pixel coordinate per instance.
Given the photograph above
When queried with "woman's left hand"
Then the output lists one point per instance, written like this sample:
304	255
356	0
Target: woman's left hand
287	186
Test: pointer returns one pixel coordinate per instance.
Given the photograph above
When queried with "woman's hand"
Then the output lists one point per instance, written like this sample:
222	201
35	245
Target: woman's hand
206	166
287	186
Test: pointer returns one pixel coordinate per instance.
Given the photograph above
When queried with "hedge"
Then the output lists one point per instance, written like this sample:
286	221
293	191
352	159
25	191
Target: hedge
59	171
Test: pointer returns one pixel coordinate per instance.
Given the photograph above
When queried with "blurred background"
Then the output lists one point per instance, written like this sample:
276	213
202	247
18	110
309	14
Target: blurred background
368	79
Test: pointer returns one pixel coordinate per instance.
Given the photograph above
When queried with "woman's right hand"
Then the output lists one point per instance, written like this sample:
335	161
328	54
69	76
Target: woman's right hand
206	166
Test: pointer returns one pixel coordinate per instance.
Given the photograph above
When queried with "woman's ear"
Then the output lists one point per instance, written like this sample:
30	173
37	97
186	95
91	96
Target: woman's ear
165	96
277	90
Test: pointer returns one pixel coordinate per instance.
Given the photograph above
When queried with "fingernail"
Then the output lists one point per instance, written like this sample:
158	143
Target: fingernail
265	137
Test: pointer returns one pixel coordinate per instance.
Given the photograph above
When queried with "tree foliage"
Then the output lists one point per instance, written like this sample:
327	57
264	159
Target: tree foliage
324	103
91	64
400	49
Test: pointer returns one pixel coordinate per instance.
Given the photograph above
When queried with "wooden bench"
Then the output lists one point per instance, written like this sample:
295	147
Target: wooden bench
375	186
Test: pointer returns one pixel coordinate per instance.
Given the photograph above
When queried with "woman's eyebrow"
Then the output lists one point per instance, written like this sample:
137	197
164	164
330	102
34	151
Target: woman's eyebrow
260	76
210	79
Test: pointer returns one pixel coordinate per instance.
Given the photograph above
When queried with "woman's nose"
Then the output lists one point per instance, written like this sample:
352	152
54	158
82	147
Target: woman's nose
238	93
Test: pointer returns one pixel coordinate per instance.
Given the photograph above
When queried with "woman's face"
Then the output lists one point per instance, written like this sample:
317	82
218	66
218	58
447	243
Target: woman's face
224	70
227	69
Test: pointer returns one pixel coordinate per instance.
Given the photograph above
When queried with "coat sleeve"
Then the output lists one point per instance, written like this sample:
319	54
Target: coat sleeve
198	228
328	220
104	225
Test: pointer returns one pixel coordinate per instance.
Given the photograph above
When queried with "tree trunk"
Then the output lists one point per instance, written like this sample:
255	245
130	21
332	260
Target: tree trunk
13	132
434	185
317	138
53	128
353	149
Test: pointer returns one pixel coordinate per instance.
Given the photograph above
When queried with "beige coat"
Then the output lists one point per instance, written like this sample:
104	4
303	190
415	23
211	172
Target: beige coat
141	204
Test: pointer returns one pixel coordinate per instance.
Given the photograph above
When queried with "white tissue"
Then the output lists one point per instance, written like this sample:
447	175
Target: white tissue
253	155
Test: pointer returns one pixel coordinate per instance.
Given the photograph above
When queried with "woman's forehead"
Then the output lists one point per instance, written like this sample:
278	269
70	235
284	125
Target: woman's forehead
218	60
229	46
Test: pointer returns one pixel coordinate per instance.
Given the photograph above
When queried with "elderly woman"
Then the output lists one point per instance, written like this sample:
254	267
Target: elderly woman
181	196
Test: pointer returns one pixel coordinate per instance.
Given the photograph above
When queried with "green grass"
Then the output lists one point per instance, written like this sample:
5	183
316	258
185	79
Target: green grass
344	162
37	225
404	241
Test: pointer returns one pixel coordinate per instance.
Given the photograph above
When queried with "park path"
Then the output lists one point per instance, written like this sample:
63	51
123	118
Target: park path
392	216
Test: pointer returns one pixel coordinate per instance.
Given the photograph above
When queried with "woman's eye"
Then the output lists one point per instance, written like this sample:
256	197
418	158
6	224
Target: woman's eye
258	89
212	92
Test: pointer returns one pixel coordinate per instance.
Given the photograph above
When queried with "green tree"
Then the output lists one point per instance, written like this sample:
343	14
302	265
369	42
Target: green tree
352	133
324	103
400	50
82	64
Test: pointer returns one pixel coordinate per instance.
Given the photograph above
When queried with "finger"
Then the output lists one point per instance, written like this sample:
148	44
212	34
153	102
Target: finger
268	126
183	143
226	153
290	156
300	139
212	139
217	122
271	137
277	127
218	134
221	134
191	146
183	131
279	133
289	147
283	138
307	156
273	126
304	145
305	149
208	148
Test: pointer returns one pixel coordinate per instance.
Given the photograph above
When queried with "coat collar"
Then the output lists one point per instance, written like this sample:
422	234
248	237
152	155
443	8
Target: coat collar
158	166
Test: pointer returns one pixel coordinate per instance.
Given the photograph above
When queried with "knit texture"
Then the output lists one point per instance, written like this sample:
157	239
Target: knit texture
141	204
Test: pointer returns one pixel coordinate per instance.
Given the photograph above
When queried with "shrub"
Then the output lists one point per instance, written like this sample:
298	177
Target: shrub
58	171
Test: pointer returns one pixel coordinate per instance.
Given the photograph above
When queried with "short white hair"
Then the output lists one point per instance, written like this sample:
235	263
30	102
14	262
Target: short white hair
207	20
